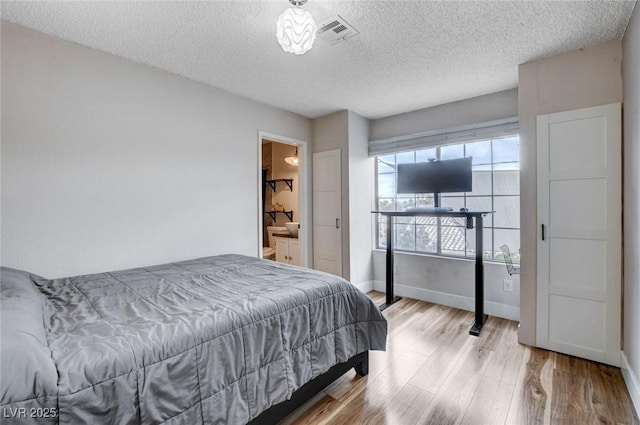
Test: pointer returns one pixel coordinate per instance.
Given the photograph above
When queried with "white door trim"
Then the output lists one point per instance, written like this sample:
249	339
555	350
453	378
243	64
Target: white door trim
306	233
542	316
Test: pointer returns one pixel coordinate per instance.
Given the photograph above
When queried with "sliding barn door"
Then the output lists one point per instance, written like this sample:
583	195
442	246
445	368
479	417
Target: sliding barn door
579	234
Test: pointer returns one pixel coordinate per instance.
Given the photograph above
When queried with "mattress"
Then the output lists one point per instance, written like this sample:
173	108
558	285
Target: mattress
215	340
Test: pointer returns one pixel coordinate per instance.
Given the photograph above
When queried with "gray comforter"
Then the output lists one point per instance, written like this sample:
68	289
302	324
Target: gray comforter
209	341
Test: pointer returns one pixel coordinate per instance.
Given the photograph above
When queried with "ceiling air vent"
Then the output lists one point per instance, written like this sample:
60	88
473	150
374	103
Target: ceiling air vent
335	30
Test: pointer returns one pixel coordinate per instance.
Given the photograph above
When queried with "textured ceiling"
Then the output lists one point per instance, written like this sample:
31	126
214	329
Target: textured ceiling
408	55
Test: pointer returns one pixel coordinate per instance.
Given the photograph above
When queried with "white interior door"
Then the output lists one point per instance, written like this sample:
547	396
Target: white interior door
579	243
327	207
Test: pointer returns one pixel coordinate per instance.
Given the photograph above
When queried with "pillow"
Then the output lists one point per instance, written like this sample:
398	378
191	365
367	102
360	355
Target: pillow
26	367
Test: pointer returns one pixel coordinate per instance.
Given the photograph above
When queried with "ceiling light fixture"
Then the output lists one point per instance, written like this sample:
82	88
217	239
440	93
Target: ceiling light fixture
293	160
296	29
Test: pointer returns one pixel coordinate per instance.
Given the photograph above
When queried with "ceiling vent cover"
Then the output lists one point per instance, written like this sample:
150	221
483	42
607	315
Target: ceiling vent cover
335	30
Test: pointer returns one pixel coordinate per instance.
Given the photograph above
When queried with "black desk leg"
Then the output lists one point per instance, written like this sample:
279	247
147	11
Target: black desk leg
390	299
480	316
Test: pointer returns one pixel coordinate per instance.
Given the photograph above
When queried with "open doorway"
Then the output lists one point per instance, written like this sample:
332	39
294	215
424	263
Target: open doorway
283	200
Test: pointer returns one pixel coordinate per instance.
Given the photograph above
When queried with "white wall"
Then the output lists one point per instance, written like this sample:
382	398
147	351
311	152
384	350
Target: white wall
109	164
361	193
332	132
587	77
489	107
349	132
631	81
449	282
445	280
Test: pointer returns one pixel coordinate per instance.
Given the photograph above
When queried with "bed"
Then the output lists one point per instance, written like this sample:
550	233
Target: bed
228	339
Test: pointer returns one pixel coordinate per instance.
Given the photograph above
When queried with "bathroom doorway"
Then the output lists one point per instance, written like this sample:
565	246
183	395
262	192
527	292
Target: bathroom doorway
283	224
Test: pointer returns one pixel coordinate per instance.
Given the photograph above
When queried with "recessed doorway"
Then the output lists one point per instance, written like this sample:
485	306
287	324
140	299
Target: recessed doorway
283	197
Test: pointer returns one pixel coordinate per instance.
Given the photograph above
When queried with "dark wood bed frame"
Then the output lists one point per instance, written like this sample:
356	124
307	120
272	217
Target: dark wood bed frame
274	414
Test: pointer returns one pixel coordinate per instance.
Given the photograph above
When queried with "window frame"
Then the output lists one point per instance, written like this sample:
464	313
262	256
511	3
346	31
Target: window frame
495	254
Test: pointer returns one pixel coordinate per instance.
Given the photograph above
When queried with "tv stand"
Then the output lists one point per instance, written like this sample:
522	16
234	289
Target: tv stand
470	216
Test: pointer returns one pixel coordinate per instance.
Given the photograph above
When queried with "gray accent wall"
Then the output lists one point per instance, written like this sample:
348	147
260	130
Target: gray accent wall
109	164
631	165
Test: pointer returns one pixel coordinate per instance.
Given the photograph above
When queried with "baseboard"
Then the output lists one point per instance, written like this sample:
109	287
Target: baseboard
365	286
633	383
458	301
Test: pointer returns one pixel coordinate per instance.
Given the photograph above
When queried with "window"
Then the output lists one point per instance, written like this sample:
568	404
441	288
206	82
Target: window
496	187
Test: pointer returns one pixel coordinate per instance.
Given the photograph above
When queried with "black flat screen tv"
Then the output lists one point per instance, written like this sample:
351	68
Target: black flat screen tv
452	175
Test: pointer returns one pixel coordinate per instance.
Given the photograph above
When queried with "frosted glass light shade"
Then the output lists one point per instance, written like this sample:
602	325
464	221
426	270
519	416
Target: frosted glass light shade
293	160
296	31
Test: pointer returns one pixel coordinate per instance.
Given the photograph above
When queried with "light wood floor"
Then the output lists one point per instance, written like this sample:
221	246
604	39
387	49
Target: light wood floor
434	372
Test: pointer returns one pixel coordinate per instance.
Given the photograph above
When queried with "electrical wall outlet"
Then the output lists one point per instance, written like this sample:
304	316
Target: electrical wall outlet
508	285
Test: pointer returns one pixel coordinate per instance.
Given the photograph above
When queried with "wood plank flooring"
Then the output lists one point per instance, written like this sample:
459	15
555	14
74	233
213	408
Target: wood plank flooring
435	373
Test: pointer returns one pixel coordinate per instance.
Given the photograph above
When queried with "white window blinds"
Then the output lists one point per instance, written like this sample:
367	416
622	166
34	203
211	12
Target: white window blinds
486	130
